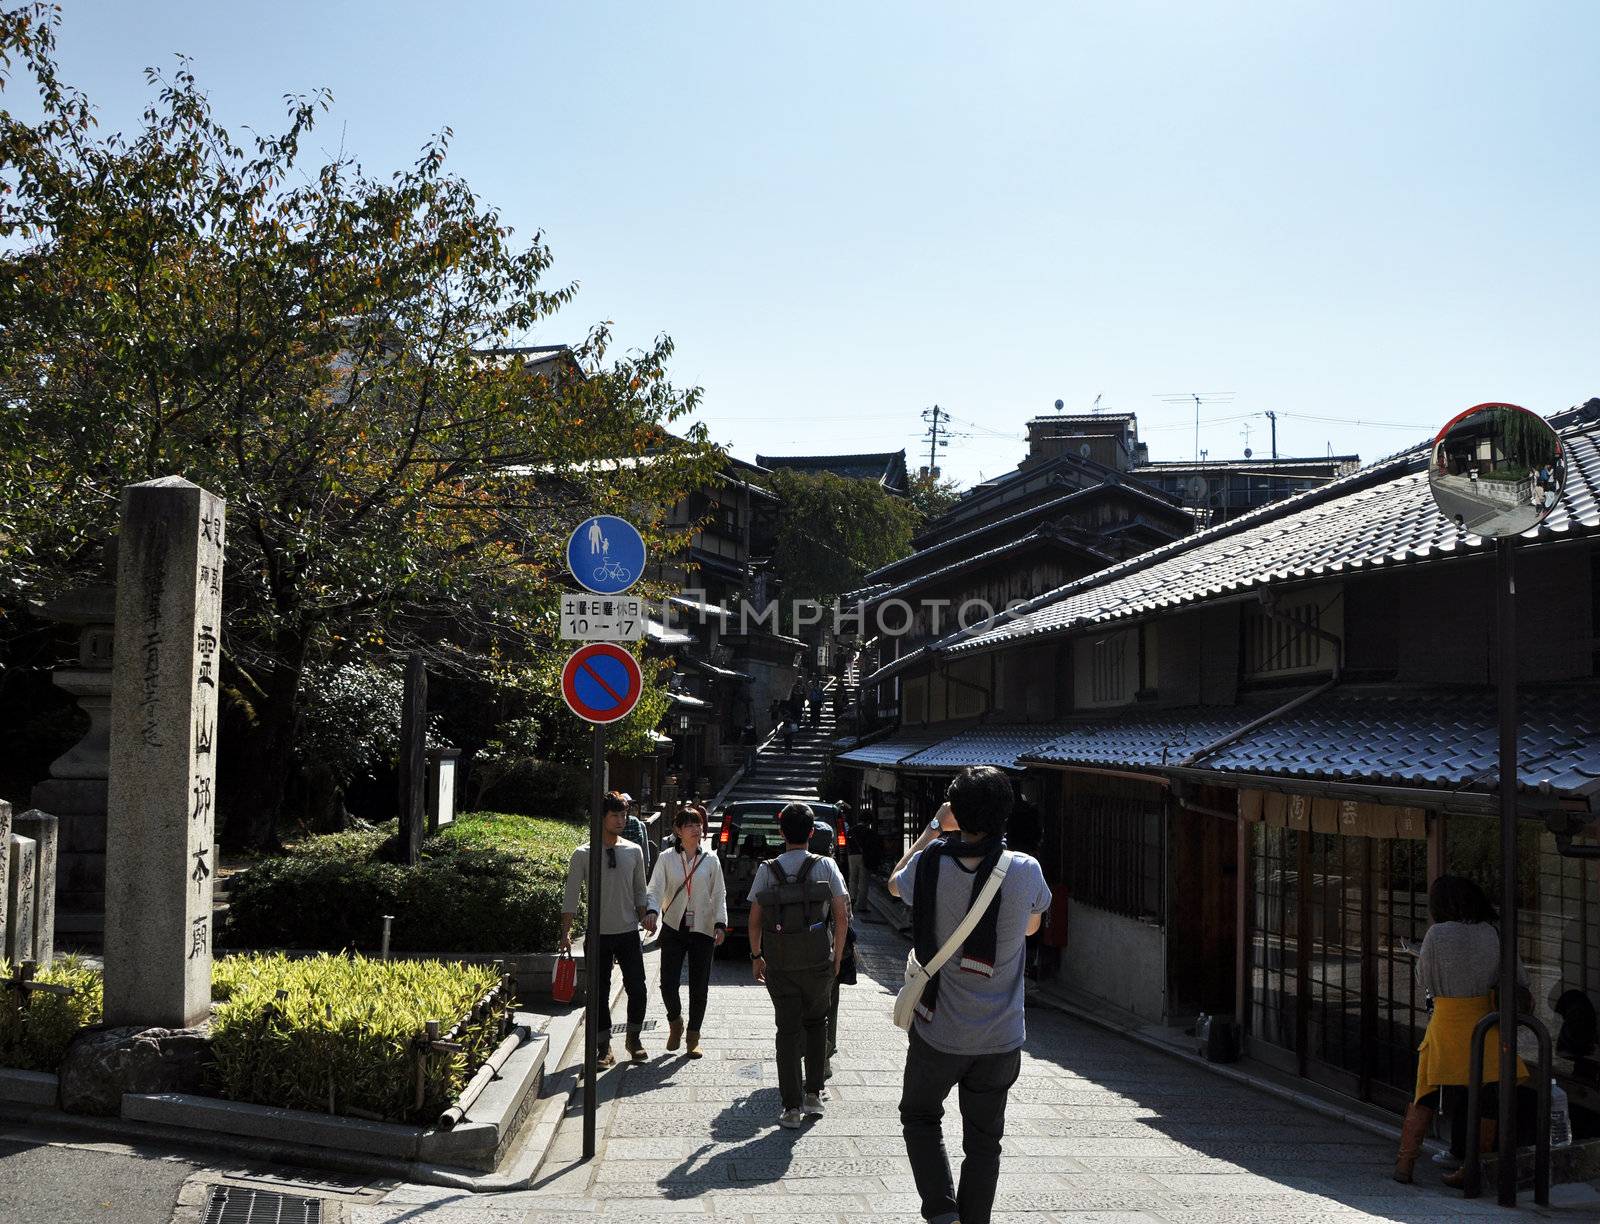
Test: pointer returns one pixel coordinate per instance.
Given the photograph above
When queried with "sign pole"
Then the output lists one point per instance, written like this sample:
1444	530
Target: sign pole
601	683
593	1005
1506	623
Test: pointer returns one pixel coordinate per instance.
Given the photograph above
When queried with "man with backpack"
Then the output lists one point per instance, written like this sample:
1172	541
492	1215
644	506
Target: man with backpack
968	1028
799	913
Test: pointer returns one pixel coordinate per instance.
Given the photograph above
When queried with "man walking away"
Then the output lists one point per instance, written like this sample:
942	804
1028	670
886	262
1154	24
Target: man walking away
798	918
969	1025
816	697
613	925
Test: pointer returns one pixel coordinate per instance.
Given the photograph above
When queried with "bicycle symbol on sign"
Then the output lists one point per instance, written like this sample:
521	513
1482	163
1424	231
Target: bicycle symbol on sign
612	570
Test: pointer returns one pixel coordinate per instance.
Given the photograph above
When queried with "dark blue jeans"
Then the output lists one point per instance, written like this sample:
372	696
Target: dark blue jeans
984	1081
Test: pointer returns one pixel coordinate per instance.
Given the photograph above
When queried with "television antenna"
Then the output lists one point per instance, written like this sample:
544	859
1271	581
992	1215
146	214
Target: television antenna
1199	398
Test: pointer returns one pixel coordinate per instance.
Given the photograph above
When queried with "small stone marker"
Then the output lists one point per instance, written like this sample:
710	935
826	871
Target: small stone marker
159	837
413	760
42	827
19	899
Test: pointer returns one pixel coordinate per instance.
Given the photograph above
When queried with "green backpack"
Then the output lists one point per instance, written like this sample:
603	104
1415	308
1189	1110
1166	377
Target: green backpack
795	928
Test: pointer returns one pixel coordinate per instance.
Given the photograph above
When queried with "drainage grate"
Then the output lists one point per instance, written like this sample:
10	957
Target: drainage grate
241	1205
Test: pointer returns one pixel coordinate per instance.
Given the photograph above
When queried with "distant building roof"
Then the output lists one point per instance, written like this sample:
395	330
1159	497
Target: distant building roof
1253	464
888	468
946	550
1381	516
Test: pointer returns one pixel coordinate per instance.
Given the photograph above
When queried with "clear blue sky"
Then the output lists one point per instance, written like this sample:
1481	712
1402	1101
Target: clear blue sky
846	213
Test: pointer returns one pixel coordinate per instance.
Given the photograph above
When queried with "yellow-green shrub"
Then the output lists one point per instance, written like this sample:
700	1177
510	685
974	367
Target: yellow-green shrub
35	1037
349	1024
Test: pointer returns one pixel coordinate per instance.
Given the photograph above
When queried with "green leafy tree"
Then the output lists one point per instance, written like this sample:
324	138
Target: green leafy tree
330	351
932	496
832	530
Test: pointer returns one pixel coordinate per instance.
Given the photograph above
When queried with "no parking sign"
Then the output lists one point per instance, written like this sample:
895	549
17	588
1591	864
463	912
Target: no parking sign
601	682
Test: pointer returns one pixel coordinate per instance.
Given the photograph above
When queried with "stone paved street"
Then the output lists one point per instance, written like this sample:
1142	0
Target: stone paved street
1099	1131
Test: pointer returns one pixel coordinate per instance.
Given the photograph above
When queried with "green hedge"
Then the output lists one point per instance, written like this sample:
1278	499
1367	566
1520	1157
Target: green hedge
340	1036
35	1037
489	883
344	1024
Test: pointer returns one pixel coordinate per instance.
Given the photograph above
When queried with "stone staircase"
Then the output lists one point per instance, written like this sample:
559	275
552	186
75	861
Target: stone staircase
776	774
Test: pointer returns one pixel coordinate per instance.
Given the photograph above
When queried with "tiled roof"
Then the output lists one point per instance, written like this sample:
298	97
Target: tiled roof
1172	466
886	753
1381	517
886	467
997	744
1134	488
1442	737
1142	739
1039	535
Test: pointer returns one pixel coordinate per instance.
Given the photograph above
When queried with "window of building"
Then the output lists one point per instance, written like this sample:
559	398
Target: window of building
1116	854
1273	647
1107	669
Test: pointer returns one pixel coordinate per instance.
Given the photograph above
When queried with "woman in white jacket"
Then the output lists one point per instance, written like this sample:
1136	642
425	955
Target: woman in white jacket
688	892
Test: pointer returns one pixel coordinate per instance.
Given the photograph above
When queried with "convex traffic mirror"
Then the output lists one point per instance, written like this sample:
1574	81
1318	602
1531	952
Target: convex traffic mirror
1497	470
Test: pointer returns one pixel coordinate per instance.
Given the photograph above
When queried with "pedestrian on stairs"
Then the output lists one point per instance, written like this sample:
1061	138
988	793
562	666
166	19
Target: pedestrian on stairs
694	923
613	933
799	914
797	701
816	697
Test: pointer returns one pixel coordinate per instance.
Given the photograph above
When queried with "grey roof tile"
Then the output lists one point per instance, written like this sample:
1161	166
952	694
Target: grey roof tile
1143	739
886	753
1444	737
999	744
1382	516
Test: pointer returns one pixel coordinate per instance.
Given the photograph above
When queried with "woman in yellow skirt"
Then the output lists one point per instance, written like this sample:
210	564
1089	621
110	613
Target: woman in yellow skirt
1458	966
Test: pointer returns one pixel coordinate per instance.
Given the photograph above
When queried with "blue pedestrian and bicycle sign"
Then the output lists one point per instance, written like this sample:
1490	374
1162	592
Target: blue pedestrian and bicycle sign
606	554
601	682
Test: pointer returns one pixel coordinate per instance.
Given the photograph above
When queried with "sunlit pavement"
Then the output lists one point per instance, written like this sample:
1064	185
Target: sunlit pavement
1099	1131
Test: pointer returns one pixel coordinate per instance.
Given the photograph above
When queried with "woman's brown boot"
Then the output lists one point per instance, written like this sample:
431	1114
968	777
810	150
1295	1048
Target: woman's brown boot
1488	1136
1412	1132
674	1032
694	1043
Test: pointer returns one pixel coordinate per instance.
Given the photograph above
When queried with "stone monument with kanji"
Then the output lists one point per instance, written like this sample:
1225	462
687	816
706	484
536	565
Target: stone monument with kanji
166	666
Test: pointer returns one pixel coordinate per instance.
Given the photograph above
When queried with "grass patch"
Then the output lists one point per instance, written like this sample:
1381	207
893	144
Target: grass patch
532	835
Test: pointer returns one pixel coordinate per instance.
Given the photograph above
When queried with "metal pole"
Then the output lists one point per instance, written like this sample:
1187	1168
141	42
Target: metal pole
593	1005
1506	627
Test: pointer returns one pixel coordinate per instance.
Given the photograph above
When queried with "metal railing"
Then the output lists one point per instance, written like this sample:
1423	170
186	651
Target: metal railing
1472	1185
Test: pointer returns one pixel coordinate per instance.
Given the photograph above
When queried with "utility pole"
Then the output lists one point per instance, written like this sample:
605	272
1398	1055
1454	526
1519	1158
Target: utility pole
1273	417
1196	427
936	418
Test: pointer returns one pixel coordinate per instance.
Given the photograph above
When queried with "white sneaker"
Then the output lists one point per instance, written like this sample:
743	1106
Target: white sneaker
812	1108
1447	1159
791	1119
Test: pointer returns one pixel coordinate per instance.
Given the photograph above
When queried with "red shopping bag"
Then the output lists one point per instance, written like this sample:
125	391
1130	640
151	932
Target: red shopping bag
564	982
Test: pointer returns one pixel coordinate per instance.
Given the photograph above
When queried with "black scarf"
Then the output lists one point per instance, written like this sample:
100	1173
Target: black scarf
978	952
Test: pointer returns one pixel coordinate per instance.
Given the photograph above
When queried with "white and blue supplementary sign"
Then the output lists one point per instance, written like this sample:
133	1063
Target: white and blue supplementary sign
606	554
601	682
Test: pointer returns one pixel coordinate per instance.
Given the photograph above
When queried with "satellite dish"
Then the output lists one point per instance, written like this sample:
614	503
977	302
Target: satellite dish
1196	488
1060	405
1248	452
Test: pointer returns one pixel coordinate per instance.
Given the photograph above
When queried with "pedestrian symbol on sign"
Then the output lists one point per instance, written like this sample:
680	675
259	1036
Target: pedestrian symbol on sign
606	554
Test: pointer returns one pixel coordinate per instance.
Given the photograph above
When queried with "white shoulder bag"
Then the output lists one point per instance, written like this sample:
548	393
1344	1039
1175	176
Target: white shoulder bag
918	974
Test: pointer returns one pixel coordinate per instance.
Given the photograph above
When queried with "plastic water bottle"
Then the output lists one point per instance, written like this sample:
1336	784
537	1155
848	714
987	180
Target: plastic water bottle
1560	1117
